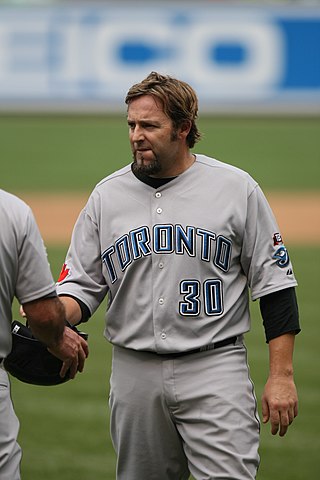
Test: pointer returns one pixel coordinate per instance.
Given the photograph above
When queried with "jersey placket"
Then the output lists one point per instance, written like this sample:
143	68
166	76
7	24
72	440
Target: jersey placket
159	263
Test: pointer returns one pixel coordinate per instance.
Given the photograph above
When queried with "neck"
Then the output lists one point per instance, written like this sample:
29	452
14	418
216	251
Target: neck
177	169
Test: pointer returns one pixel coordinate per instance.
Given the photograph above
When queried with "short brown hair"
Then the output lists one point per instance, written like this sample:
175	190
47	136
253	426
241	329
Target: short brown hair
179	100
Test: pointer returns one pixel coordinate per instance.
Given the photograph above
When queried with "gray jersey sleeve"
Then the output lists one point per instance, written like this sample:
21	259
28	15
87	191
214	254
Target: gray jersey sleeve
34	278
82	276
25	272
264	257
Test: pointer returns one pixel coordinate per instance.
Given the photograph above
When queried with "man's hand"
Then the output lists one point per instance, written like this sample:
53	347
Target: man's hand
279	404
47	321
72	350
280	399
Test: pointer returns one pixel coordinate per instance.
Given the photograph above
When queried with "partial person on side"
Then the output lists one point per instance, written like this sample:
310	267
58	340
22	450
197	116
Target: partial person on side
25	274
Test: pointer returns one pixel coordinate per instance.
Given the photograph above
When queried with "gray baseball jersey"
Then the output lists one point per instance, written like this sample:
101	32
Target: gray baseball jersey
176	262
24	272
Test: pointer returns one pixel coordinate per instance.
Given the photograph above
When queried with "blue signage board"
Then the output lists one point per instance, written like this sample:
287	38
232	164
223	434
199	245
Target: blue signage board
86	56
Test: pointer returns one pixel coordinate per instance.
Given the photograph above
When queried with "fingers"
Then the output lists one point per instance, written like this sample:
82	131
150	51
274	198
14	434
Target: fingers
70	368
281	419
73	351
76	364
265	411
64	369
280	422
84	350
279	403
286	419
83	353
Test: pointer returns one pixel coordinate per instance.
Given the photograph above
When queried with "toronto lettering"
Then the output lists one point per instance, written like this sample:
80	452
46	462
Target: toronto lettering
167	239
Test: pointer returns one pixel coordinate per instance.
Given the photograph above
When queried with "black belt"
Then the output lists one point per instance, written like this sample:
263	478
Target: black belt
211	346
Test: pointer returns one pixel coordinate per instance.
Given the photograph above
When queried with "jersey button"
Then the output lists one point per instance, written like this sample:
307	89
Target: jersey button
158	195
161	265
163	335
159	210
161	301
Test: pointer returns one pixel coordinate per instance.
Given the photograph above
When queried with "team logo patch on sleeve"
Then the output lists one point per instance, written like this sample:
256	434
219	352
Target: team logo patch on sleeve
277	239
64	273
282	257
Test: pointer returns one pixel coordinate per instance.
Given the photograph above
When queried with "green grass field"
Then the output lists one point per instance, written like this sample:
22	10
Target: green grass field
64	429
74	153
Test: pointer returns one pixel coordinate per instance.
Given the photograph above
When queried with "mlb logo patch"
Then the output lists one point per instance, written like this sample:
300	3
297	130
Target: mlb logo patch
277	239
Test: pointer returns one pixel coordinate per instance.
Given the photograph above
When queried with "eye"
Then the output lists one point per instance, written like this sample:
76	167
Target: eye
150	126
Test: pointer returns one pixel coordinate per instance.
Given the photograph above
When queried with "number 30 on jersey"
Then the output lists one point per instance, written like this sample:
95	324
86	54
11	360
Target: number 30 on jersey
195	294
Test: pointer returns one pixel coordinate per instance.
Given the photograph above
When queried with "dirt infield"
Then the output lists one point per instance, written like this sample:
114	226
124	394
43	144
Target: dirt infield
298	215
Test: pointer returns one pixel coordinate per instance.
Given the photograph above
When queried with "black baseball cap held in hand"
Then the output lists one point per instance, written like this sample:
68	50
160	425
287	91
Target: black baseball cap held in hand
30	361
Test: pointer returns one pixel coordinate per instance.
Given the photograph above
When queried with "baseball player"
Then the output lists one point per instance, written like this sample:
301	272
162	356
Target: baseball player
25	274
177	241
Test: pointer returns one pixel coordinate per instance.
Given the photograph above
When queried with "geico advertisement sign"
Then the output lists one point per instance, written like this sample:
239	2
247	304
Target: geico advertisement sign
88	53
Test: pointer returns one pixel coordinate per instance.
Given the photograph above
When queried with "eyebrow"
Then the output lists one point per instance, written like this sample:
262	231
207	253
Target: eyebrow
144	121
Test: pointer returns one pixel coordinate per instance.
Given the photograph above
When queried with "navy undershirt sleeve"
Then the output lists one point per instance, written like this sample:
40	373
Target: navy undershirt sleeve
280	314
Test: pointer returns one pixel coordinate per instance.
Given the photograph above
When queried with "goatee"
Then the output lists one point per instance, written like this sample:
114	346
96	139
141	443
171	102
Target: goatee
149	169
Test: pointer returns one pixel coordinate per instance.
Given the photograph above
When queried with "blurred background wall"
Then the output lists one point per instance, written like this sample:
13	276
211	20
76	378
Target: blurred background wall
83	55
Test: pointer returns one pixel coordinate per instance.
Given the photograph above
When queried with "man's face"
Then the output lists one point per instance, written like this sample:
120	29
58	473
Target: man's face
154	142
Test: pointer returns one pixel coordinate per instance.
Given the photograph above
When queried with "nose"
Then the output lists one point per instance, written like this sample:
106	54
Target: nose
137	134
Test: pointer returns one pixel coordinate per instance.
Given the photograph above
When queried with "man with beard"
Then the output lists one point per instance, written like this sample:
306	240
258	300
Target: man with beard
177	240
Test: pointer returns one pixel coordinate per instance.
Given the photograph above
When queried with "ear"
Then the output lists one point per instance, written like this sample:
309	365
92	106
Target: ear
185	129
